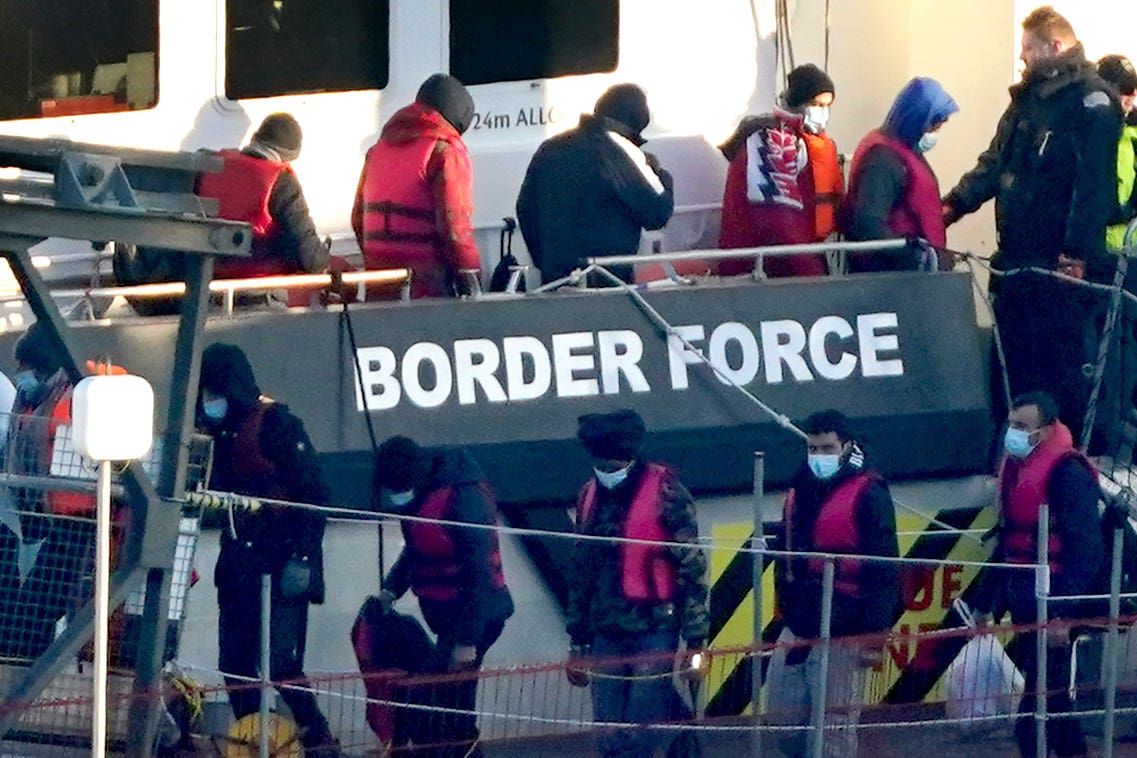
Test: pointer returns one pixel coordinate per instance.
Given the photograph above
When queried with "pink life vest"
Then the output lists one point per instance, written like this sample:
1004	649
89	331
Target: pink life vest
917	214
1023	484
648	573
836	530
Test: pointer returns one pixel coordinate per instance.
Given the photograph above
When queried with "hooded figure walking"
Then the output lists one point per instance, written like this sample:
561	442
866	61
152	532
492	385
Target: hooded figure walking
261	450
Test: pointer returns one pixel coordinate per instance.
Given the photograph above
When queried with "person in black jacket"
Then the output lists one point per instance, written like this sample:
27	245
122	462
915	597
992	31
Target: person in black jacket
1051	169
592	190
836	505
261	450
1038	448
456	573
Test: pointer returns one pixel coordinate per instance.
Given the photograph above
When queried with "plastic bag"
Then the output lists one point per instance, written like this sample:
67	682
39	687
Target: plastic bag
982	683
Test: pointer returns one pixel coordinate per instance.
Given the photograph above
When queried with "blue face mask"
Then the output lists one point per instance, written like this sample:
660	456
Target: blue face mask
610	480
27	383
927	142
1017	443
823	466
215	409
401	499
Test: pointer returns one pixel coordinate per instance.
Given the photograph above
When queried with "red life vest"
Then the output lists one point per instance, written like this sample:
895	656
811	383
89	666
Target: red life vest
836	530
249	471
648	573
436	572
1023	484
917	214
242	189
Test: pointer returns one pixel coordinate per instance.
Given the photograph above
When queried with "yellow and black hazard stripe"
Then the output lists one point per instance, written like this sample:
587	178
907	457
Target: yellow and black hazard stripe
909	671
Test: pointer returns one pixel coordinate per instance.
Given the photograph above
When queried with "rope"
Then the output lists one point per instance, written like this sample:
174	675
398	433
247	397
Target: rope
339	514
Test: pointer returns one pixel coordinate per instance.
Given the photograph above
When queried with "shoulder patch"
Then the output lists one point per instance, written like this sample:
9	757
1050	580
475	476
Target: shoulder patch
1096	100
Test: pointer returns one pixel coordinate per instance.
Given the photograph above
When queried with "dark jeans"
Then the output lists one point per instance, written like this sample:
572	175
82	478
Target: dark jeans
444	734
239	639
1047	332
643	693
1063	729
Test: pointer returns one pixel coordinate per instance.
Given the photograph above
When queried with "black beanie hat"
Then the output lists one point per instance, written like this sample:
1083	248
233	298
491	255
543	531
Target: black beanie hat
1118	71
400	465
805	83
617	436
281	132
37	350
627	104
449	97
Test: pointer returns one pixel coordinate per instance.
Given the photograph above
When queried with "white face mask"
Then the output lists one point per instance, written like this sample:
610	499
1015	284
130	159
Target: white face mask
612	479
927	142
400	499
816	117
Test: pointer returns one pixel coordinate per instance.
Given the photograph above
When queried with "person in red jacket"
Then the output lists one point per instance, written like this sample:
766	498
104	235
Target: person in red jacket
836	505
415	195
1040	465
258	186
784	182
893	191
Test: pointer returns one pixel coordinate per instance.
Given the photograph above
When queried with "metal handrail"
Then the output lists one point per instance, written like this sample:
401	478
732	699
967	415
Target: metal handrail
229	287
754	252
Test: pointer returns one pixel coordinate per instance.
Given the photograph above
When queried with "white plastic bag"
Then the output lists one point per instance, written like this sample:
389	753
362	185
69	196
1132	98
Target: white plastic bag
982	683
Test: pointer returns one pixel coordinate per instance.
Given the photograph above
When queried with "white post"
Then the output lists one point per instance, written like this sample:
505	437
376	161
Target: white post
818	719
1111	641
1041	594
102	608
266	659
758	543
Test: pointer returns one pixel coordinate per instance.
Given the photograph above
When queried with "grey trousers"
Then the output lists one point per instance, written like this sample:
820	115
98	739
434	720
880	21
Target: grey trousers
791	690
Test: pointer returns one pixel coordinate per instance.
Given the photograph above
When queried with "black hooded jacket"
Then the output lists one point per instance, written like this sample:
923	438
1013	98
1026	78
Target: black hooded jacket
799	598
480	603
1051	168
584	195
264	540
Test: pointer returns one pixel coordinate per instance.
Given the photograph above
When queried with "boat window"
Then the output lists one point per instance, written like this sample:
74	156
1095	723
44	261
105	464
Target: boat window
72	57
516	40
293	47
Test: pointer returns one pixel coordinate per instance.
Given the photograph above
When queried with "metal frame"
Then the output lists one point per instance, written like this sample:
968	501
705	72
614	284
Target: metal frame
149	553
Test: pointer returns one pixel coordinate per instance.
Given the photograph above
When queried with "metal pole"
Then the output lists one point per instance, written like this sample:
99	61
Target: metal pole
758	543
1041	593
818	720
1111	641
266	653
102	608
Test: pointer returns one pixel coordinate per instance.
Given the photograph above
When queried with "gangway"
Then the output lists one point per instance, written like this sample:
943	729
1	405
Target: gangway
99	194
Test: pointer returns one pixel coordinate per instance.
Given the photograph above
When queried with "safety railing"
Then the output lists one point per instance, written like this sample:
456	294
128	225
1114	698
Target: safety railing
973	689
229	289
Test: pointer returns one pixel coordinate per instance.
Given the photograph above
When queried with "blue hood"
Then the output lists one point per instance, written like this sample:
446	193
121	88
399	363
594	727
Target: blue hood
922	104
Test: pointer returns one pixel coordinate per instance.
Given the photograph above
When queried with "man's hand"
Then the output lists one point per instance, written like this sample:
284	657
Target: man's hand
574	669
1074	267
463	658
696	663
387	600
871	656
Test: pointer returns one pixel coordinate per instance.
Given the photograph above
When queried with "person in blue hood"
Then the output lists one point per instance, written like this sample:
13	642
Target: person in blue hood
893	191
